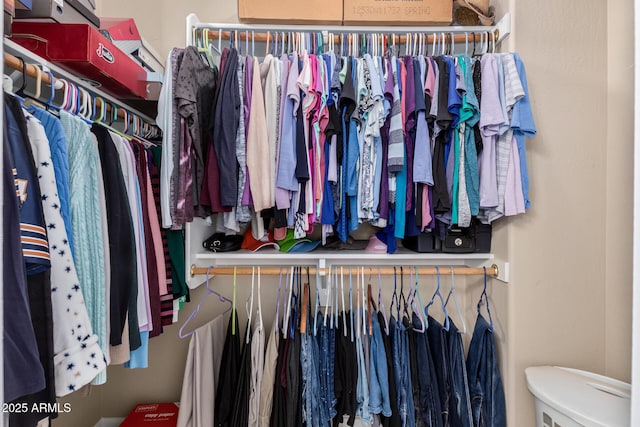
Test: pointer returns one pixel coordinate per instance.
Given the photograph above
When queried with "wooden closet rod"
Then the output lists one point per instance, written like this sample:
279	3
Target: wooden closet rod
385	271
261	36
14	62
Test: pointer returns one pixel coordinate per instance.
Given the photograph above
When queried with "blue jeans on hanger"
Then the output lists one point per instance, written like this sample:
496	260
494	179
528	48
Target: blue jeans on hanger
439	353
379	402
429	405
326	354
362	389
485	385
310	378
402	372
458	371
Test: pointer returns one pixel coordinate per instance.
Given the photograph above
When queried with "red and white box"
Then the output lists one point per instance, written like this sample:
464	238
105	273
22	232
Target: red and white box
152	415
83	50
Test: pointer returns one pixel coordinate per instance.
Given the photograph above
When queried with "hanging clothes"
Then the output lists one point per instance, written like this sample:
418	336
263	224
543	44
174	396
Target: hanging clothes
240	413
24	374
230	370
488	405
124	277
201	375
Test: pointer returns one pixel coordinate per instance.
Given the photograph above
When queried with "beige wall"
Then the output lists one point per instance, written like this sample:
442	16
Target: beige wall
571	256
619	188
162	22
569	299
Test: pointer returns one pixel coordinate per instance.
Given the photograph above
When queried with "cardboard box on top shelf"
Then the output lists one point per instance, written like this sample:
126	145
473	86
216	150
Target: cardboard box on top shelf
397	12
294	11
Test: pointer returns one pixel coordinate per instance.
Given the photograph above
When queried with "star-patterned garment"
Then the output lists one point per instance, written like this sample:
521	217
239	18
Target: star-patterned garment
77	355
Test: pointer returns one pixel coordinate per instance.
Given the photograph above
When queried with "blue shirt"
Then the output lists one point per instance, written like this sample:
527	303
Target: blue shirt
33	234
523	126
60	159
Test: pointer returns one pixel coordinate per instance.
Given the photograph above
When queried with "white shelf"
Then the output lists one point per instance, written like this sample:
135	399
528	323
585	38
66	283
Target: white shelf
342	257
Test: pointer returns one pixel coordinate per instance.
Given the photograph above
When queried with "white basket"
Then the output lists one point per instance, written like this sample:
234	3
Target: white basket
546	416
571	398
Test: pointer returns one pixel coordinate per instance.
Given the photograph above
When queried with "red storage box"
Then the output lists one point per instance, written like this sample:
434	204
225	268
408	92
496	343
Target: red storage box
152	415
82	50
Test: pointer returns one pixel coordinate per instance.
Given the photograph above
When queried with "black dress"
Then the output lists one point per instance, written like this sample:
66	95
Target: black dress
229	371
241	405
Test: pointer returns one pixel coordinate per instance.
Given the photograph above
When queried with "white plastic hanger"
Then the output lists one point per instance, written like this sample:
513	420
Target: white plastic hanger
249	305
351	302
285	323
442	304
261	323
329	286
455	301
315	312
278	303
417	309
362	325
210	291
344	312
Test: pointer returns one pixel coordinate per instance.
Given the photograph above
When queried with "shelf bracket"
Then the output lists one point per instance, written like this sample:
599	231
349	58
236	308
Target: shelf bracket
502	269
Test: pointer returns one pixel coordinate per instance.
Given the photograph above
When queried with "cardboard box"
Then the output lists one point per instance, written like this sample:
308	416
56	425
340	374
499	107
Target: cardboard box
124	33
152	415
81	49
298	11
400	12
63	11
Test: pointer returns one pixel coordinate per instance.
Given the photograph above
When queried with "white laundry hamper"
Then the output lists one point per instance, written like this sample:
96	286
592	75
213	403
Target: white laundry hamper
569	398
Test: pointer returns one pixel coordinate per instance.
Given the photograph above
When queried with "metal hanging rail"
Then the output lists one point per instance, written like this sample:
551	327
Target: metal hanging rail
501	30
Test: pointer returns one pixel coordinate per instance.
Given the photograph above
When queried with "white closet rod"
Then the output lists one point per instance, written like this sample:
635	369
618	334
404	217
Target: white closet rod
501	29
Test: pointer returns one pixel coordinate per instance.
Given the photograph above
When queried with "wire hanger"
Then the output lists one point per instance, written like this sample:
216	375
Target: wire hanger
455	301
210	291
484	296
